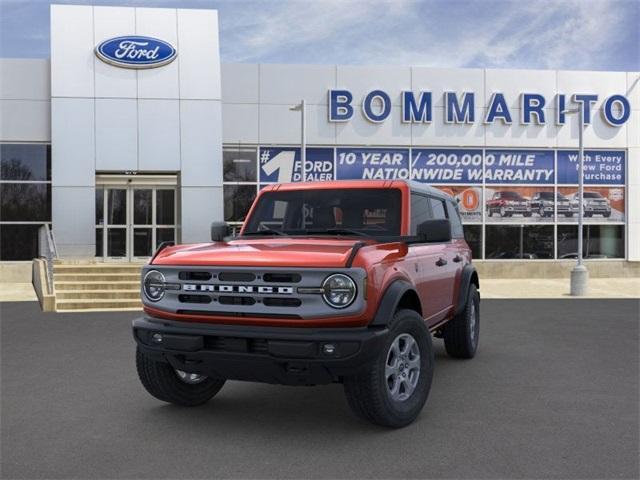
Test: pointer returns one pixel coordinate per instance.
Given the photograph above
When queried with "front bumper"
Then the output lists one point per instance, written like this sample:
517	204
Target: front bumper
597	209
515	209
289	356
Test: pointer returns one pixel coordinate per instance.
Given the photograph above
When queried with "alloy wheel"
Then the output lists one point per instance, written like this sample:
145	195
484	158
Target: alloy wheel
402	367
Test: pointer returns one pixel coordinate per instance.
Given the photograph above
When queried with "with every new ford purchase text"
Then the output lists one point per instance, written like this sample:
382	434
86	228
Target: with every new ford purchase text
332	282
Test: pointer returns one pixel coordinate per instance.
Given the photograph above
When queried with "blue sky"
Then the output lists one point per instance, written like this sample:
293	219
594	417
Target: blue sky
546	34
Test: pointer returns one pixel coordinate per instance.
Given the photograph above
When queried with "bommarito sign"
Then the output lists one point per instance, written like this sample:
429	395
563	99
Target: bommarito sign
460	108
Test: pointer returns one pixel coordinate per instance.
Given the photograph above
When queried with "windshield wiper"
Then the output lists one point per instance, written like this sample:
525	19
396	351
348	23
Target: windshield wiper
266	231
337	231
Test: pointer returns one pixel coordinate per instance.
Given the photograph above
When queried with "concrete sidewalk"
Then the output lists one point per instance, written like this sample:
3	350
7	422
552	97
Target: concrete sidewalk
489	288
557	288
17	292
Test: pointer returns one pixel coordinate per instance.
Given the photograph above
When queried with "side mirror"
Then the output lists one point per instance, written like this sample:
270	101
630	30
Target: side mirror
219	230
434	231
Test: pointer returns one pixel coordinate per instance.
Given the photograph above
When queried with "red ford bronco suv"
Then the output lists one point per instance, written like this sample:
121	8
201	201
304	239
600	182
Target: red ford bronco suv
342	281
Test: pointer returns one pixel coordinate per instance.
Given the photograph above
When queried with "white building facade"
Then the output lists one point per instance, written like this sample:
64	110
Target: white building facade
119	159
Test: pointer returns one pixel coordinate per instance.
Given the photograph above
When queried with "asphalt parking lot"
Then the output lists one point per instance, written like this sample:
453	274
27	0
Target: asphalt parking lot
552	393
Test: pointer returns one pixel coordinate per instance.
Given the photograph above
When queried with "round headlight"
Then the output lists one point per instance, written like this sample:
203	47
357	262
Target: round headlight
339	290
153	285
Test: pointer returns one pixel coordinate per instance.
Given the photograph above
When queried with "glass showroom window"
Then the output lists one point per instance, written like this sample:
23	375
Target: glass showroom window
599	241
528	242
240	181
25	198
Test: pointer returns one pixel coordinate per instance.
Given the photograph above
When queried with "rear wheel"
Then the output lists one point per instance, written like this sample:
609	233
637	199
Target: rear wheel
461	334
175	386
393	388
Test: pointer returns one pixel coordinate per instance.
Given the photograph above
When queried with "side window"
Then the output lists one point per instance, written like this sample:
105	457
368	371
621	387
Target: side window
438	209
456	223
420	211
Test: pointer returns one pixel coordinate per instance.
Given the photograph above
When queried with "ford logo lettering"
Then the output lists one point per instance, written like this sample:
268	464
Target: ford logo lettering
134	51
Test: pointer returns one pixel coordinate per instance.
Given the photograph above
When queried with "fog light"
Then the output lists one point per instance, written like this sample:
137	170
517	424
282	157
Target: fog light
329	348
156	338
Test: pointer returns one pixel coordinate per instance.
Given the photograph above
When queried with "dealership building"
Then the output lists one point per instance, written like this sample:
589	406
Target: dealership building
117	157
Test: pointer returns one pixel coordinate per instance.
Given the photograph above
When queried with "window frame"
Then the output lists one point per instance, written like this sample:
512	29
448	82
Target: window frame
48	169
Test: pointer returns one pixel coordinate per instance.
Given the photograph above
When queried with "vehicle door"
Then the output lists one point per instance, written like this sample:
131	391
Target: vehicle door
458	250
448	259
429	276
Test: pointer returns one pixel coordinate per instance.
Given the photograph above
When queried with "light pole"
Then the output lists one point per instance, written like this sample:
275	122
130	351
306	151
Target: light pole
303	135
580	274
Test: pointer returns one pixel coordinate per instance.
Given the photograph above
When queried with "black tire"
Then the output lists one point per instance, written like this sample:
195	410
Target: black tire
568	215
527	214
606	214
368	392
162	381
457	333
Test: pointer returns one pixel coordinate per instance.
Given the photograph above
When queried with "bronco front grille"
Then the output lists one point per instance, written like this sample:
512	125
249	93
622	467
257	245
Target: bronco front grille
252	292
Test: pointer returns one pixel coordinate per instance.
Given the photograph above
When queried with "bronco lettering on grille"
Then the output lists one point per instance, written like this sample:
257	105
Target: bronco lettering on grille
192	287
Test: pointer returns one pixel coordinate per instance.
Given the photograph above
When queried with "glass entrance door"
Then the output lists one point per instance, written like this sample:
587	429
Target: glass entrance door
131	221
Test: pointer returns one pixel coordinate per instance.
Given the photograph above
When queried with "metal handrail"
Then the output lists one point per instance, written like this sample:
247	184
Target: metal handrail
47	248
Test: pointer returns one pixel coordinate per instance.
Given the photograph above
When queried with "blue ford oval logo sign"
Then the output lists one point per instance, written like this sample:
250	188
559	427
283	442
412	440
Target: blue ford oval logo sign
134	51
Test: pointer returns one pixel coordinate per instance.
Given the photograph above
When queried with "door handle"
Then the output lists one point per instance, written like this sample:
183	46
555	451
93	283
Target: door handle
457	258
441	262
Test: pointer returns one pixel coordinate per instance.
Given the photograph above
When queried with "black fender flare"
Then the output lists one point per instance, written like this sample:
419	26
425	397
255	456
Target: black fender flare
389	302
466	279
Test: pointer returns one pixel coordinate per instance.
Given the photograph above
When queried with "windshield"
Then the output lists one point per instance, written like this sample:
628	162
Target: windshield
546	195
356	211
511	196
592	195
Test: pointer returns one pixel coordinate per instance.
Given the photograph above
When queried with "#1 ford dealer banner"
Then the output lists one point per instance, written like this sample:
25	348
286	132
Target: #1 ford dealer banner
443	166
283	165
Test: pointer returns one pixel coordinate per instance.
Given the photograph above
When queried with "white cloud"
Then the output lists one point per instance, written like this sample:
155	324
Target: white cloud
268	28
536	34
554	34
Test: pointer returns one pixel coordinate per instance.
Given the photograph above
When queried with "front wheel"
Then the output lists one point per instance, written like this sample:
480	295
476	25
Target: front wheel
461	334
175	386
394	386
